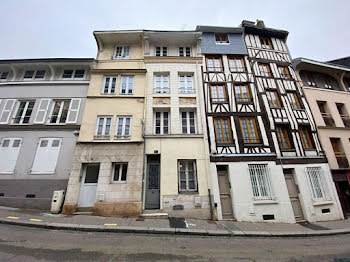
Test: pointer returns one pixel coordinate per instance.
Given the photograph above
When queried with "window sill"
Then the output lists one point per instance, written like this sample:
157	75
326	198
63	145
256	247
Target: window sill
132	94
41	173
122	138
227	144
7	173
161	94
323	202
118	182
265	202
288	150
189	192
219	43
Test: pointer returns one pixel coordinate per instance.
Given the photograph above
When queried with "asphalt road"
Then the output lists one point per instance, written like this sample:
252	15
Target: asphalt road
32	244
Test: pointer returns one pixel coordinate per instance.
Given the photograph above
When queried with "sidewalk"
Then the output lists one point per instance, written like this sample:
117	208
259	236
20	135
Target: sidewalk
37	218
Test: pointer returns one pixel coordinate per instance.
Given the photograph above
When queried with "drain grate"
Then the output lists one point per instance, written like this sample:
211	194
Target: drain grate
177	222
313	226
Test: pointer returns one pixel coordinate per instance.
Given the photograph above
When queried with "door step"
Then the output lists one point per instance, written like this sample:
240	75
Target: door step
155	215
86	213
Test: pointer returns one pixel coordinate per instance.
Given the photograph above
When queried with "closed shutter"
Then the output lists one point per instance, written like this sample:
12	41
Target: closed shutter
42	111
9	150
7	110
73	111
46	156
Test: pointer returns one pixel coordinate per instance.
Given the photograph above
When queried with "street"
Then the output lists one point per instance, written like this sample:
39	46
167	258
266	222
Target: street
32	244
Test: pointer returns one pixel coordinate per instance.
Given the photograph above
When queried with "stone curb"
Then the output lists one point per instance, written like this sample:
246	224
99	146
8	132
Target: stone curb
172	231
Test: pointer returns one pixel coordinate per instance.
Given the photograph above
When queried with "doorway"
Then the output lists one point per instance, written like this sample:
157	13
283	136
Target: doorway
87	196
293	192
225	192
153	182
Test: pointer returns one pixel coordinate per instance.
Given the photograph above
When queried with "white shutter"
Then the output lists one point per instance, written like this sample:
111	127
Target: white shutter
42	111
46	156
7	110
9	154
73	111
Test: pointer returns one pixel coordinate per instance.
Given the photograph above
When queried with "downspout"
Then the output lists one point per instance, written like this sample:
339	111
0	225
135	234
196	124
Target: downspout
143	161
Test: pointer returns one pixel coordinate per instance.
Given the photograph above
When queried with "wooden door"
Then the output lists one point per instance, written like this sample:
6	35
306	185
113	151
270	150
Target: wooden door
152	186
294	197
225	194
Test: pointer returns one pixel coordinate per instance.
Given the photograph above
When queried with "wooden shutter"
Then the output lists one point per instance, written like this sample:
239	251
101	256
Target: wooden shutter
73	111
42	111
7	110
46	156
9	154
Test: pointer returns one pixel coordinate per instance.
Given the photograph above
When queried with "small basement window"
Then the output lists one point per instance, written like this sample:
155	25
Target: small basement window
269	217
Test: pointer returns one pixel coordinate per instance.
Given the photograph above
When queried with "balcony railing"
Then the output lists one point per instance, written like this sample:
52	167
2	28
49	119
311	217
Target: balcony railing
346	120
341	159
328	120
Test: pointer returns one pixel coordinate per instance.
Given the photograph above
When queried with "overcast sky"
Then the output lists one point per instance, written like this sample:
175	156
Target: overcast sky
318	29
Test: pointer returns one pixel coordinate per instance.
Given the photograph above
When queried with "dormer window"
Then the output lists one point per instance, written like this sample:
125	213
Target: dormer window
31	74
161	51
72	73
3	75
266	43
184	51
221	38
122	52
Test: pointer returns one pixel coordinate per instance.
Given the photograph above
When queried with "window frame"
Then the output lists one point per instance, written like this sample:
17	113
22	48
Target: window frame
220	100
163	51
34	76
59	112
223	38
237	68
123	49
264	73
295	104
184	51
284	141
104	125
24	113
162	88
256	131
284	72
161	126
308	136
259	173
213	58
73	75
266	43
224	141
120	172
2	73
316	174
110	85
123	134
240	99
309	78
186	89
127	89
271	101
187	170
188	125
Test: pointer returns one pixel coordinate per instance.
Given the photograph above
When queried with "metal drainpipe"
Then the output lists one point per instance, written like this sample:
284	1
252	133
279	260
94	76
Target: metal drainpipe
143	161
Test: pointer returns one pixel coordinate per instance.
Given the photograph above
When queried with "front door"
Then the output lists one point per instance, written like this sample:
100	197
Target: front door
153	183
294	197
88	185
225	194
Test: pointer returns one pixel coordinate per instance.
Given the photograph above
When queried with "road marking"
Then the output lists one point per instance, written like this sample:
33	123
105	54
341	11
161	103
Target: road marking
35	219
12	217
110	224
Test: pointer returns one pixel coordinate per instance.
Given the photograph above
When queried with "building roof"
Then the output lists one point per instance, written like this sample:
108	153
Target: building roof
345	61
47	60
259	28
300	60
219	29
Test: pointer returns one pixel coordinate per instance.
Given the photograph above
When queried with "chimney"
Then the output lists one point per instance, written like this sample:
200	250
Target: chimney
260	23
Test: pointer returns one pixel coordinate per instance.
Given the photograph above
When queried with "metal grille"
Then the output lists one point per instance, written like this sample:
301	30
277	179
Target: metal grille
318	183
261	183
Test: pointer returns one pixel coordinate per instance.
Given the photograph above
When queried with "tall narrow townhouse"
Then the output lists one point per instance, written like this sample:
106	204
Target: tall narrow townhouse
41	104
266	162
176	154
107	167
327	90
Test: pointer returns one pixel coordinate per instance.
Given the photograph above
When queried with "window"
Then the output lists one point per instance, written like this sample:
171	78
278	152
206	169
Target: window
46	156
7	110
185	84
123	127
284	72
261	183
218	94
24	111
318	183
347	83
221	38
339	153
223	132
214	64
265	70
3	75
59	112
127	85
328	82
265	43
249	130
103	128
161	51
283	137
184	51
305	134
9	150
308	78
122	52
242	94
294	100
119	172
187	175
73	73
188	122
162	123
343	114
109	85
31	74
161	84
273	99
236	64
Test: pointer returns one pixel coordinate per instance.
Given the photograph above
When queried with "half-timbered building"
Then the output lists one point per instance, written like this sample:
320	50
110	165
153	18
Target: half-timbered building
266	162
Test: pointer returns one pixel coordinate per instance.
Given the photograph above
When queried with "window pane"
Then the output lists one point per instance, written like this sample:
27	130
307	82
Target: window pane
44	143
64	111
40	74
124	171
67	74
56	143
79	73
28	74
6	143
16	143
